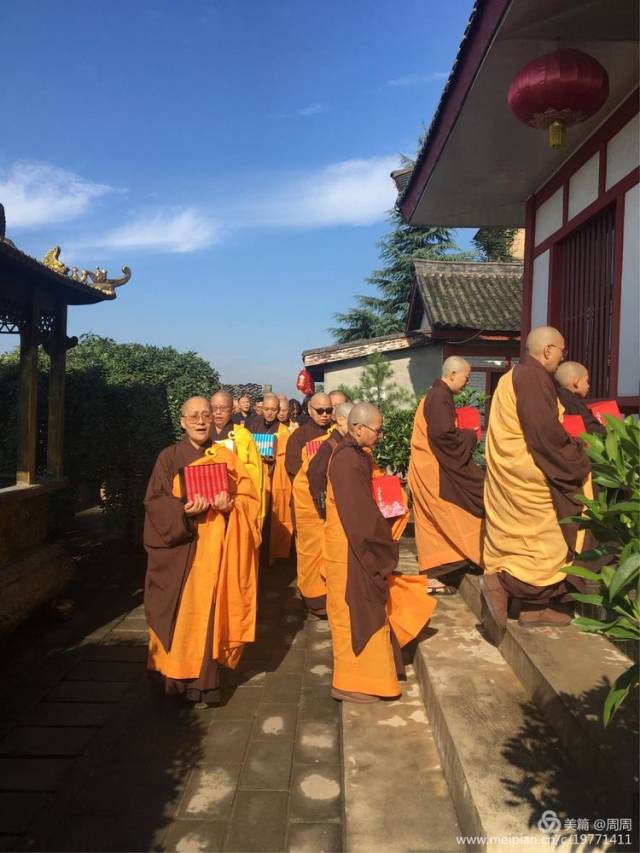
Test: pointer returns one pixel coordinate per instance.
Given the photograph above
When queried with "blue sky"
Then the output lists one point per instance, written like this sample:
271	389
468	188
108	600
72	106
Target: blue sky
235	154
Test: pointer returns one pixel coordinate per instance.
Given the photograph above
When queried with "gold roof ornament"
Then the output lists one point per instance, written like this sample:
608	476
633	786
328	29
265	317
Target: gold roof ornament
99	279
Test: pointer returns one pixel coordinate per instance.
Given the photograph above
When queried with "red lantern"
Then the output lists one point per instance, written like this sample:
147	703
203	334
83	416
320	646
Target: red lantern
558	90
305	383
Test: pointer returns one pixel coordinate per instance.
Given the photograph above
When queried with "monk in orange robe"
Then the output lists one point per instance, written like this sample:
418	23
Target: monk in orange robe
308	526
281	530
535	472
371	610
201	580
446	484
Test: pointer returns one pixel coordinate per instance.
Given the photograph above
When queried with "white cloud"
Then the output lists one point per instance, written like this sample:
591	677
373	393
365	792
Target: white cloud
351	192
35	193
172	230
311	110
418	79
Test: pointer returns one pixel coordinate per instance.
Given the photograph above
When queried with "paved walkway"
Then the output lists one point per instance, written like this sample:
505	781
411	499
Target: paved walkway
93	758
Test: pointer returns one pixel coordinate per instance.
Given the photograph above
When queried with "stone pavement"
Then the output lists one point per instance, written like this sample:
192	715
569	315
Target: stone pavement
92	758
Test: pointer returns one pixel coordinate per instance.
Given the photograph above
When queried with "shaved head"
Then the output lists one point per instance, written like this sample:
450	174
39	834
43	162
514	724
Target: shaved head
342	410
541	337
319	400
323	402
270	398
195	403
569	372
454	364
363	413
222	398
365	424
546	345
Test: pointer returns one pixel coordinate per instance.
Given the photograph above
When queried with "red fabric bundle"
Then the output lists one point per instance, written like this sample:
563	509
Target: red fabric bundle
387	493
207	480
313	447
574	425
605	407
468	417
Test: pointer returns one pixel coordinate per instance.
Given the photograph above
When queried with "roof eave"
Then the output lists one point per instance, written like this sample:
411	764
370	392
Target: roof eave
482	27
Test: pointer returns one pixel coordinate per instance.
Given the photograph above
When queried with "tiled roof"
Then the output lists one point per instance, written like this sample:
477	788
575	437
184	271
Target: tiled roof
465	295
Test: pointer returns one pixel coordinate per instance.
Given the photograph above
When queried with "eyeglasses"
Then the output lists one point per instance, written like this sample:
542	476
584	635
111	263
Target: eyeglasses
563	350
327	411
377	431
205	417
215	409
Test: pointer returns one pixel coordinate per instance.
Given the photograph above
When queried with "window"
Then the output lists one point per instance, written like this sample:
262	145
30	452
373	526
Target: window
582	297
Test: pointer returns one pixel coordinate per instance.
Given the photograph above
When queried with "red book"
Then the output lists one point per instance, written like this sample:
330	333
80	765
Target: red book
207	480
313	447
387	493
605	407
468	417
574	425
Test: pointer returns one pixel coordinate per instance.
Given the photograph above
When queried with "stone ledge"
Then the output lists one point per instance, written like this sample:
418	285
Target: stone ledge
501	759
567	674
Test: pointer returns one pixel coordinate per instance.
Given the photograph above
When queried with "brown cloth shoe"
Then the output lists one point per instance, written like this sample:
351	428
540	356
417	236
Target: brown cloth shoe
543	617
357	698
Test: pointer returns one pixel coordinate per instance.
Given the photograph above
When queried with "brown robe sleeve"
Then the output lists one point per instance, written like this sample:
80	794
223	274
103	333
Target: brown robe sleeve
372	553
169	538
574	405
317	474
461	480
560	457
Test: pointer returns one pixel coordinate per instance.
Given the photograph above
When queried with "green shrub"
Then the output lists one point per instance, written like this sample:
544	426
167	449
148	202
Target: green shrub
613	518
394	448
122	406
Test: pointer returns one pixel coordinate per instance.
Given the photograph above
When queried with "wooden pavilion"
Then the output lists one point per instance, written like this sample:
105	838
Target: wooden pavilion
34	297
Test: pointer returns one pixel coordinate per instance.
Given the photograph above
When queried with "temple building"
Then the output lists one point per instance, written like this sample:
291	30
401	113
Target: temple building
569	69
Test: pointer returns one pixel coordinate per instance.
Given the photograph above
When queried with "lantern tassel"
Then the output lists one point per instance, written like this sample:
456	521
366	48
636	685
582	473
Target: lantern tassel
557	135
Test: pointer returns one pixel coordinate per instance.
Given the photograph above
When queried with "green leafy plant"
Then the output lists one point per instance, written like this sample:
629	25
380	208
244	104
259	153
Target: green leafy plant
393	450
613	518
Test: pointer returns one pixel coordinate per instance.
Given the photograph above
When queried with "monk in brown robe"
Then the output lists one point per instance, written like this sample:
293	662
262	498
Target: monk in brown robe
446	484
534	472
200	585
319	464
244	410
572	379
308	526
371	611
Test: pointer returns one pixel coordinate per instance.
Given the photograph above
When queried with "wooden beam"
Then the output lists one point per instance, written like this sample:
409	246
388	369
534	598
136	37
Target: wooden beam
55	434
28	397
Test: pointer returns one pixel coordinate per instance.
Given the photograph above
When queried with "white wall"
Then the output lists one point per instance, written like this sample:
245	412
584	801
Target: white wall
549	217
583	186
414	369
629	363
623	152
540	288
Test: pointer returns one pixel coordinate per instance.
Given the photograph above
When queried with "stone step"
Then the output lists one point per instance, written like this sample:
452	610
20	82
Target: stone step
503	762
396	796
567	674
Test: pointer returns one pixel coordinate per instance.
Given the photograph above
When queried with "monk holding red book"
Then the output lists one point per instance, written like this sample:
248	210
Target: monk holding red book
201	581
535	471
446	484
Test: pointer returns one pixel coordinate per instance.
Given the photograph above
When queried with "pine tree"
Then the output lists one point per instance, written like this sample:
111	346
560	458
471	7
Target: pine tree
494	244
386	312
